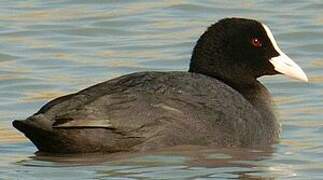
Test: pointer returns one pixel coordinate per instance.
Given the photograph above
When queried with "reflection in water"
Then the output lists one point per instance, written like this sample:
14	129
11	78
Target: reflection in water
179	162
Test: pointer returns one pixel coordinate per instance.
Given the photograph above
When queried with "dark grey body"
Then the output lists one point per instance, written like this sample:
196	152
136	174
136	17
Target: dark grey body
152	110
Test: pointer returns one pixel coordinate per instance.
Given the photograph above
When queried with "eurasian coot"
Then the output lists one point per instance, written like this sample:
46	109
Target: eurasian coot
217	102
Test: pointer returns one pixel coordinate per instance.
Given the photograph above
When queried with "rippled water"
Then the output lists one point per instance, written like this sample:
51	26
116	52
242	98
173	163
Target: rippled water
51	48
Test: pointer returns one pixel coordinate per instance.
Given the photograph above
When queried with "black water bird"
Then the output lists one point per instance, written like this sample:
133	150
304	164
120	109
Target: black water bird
218	102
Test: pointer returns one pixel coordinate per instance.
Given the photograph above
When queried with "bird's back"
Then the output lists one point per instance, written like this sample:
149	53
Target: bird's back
147	110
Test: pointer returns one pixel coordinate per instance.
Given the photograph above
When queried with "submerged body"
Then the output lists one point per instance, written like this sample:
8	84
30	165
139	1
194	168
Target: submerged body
152	110
219	102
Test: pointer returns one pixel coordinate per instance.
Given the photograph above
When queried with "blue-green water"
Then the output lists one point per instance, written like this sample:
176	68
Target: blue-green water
51	48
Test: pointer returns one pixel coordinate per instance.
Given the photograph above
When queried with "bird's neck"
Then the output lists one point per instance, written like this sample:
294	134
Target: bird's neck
258	95
260	98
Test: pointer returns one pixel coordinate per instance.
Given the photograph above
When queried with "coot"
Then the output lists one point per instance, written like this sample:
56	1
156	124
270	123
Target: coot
218	102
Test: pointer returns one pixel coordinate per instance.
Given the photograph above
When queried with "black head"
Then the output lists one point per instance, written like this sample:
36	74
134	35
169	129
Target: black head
240	50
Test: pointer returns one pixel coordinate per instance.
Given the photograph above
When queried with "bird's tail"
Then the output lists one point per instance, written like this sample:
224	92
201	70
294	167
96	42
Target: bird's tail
37	128
33	123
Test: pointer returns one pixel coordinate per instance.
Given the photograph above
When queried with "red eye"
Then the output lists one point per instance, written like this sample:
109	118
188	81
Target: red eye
256	42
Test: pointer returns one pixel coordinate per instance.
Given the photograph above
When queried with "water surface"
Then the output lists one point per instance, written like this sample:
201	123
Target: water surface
51	48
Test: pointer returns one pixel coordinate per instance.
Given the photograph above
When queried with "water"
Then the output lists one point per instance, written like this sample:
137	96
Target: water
51	48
